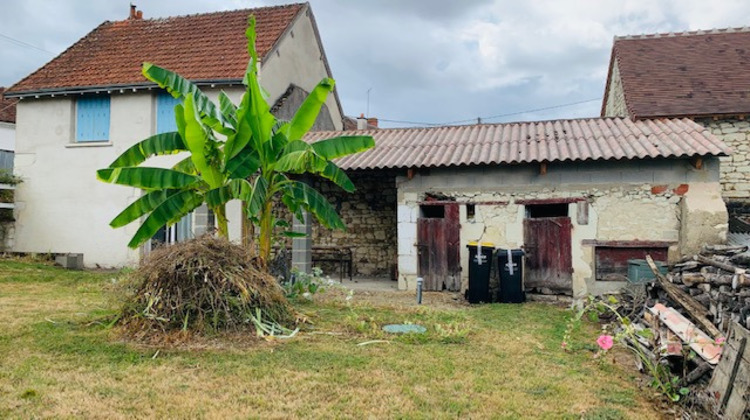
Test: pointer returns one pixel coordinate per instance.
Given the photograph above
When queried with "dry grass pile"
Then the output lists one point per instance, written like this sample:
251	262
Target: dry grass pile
202	285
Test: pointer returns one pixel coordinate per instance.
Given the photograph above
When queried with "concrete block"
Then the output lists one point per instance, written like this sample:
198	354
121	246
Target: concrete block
407	247
407	264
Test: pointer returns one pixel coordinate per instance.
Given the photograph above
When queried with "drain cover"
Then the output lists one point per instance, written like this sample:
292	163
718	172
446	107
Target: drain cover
404	329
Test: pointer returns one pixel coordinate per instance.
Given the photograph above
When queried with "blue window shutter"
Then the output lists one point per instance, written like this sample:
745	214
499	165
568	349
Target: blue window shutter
92	119
165	104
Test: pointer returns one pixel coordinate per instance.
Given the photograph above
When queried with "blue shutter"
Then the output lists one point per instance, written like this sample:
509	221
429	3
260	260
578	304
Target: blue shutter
92	119
165	104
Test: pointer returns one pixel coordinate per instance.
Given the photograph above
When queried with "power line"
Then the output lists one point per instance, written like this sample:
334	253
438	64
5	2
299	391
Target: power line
24	44
492	117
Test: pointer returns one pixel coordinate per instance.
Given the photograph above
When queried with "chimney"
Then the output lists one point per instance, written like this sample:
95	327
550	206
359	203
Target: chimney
372	122
135	14
361	122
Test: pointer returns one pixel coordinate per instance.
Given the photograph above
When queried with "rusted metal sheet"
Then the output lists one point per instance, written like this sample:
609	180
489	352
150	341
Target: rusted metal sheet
549	262
438	250
531	142
612	262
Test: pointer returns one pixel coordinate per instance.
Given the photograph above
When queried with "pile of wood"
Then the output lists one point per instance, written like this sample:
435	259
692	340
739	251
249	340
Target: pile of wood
717	279
702	305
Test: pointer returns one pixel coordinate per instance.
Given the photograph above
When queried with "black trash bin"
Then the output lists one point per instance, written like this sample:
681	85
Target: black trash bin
510	268
480	263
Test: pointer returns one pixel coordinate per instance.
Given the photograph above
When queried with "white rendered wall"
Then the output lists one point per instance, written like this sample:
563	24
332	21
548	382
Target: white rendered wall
7	136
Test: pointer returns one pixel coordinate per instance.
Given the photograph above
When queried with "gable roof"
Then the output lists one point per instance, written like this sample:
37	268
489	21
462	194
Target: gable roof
530	142
206	47
685	75
7	108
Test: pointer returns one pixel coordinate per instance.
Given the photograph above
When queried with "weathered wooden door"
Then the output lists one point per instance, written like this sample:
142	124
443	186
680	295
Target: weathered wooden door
438	249
549	263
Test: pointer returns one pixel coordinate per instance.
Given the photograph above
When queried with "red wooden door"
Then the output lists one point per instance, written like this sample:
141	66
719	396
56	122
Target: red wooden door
438	250
549	263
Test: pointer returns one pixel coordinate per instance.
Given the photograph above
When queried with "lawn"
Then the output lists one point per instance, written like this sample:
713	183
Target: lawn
60	358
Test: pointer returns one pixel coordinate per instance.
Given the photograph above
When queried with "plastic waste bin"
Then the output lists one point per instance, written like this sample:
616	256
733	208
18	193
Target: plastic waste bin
480	264
510	269
639	271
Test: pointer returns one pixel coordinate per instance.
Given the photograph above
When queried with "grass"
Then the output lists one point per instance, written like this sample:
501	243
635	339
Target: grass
59	358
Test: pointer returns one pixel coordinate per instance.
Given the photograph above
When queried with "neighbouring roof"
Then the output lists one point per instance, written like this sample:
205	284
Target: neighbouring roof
201	47
528	142
7	108
684	75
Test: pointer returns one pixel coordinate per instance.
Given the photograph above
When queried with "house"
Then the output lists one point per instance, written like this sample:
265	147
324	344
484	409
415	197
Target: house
582	197
7	131
81	110
701	75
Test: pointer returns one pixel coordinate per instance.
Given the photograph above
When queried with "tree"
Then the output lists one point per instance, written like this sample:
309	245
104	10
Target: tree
255	162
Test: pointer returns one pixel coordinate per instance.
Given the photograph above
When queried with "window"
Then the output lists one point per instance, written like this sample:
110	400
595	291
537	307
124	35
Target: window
547	210
612	261
165	121
92	119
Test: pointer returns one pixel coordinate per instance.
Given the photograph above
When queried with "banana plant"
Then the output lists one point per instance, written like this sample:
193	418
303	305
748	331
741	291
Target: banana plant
236	152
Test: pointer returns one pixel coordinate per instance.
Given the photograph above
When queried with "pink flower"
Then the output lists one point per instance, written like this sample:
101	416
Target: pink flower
605	341
720	340
564	345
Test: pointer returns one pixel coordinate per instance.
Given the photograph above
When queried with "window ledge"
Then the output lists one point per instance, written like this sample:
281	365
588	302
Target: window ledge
89	144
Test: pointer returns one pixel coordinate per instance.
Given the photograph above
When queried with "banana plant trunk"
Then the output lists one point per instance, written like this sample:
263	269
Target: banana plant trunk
266	232
221	221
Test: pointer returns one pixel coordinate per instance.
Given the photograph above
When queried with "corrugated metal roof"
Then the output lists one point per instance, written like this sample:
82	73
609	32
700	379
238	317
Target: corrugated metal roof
528	142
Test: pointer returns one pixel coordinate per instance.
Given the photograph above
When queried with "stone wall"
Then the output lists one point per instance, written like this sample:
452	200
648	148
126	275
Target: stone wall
626	201
615	106
369	214
735	169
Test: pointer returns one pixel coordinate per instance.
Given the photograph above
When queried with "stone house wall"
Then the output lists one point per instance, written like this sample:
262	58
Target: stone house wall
615	106
627	201
735	169
370	216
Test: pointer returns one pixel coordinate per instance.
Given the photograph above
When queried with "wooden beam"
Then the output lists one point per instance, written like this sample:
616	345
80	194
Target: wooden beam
629	244
690	305
410	173
543	168
697	162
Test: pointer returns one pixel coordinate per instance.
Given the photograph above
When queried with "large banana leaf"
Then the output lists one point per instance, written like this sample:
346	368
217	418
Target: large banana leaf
228	109
307	113
337	147
196	139
147	178
258	115
186	166
168	212
236	189
334	174
257	197
178	87
299	157
312	201
236	142
244	164
145	204
160	144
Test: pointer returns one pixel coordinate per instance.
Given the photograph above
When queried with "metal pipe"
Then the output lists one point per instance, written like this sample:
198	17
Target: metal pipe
420	281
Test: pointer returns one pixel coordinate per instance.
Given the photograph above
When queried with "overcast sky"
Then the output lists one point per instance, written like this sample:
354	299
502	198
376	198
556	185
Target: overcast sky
424	61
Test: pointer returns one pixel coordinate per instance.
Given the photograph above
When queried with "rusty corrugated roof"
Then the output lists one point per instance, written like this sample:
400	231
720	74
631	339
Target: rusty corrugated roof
209	46
528	142
698	73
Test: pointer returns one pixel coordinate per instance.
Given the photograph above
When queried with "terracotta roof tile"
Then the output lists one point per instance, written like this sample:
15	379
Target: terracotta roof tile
209	46
529	142
7	108
690	74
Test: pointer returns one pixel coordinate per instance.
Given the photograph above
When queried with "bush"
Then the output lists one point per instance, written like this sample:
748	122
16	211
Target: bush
202	285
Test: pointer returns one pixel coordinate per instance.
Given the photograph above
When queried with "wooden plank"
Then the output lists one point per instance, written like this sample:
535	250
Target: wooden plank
690	305
531	202
721	387
700	342
453	248
628	244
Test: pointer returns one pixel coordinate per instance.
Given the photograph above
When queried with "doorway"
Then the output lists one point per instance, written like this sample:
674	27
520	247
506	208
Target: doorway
438	241
547	232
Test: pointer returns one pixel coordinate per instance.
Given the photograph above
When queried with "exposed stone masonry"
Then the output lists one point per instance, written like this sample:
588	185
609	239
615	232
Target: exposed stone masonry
370	216
735	169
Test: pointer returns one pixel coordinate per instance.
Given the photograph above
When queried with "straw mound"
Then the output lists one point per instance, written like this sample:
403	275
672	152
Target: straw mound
202	285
